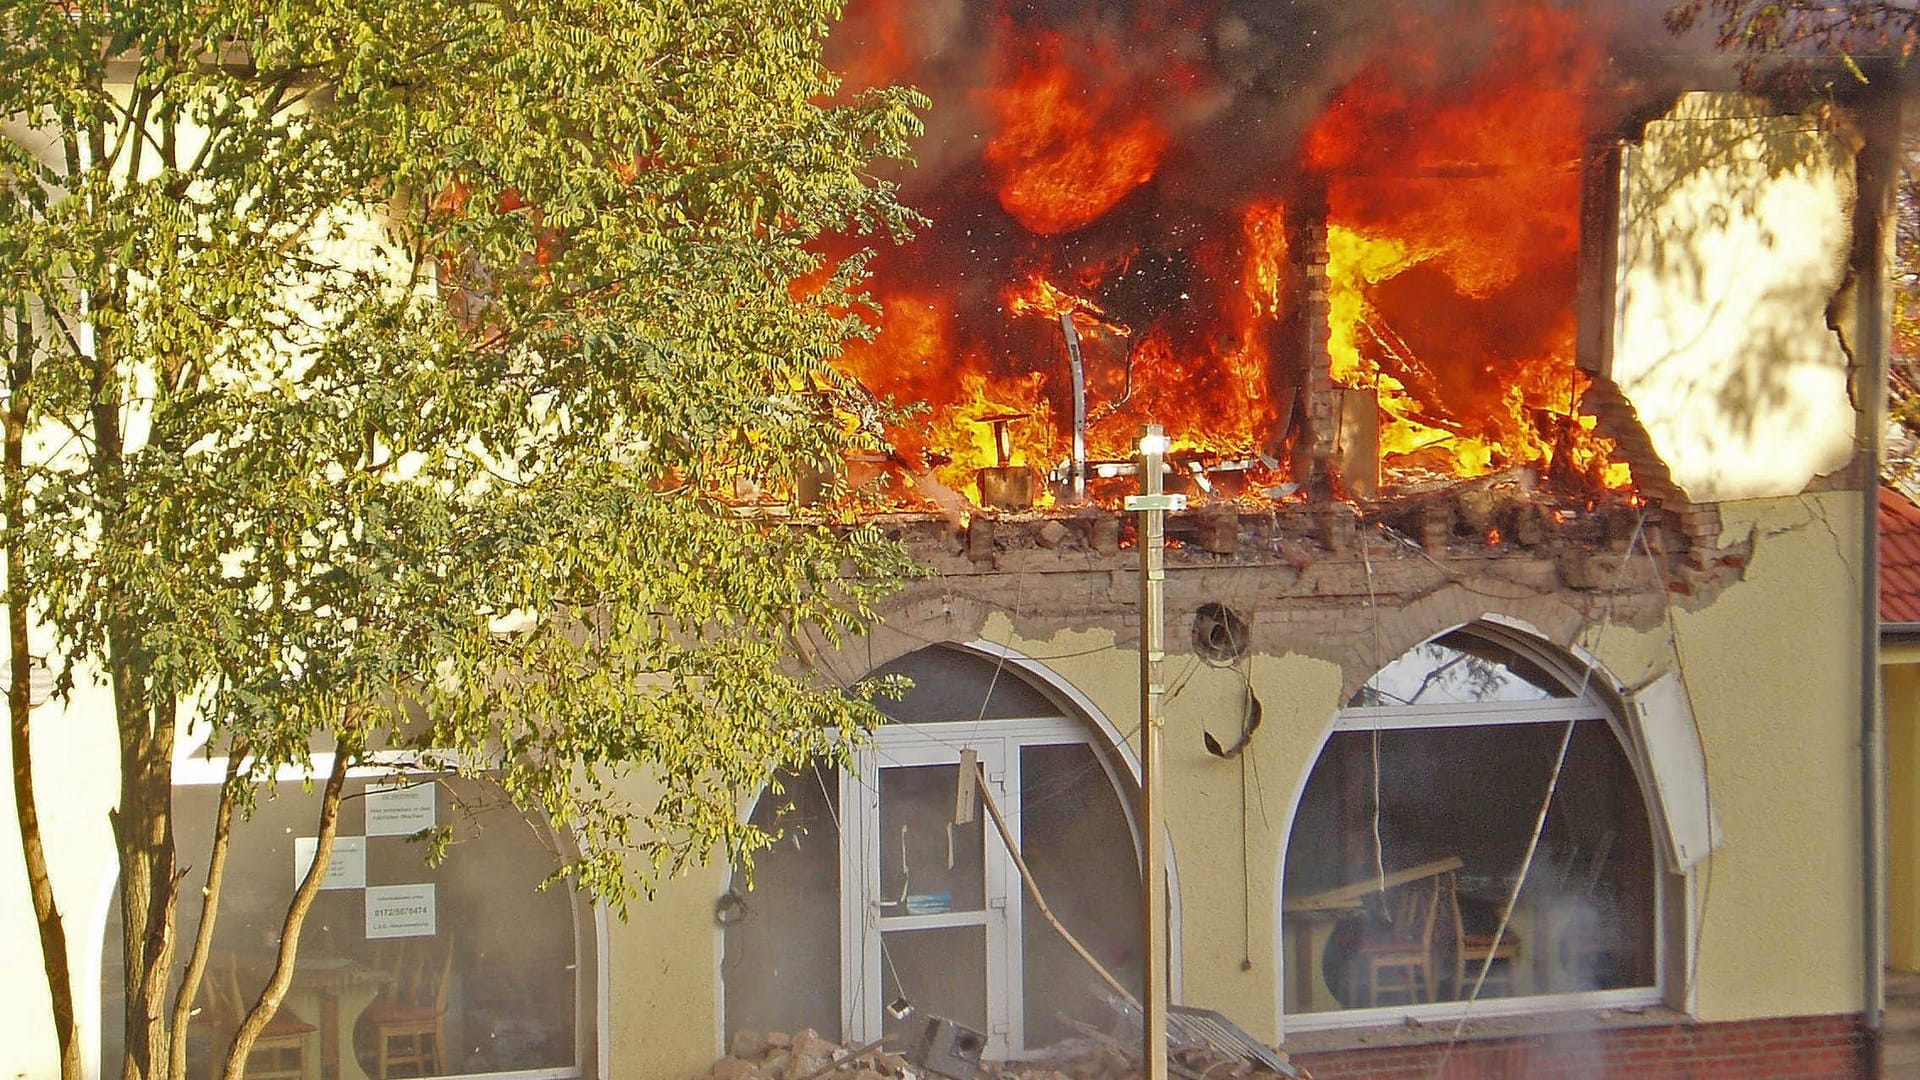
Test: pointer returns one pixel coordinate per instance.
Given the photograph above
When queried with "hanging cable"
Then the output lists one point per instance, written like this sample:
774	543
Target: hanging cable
1546	804
1373	611
1246	878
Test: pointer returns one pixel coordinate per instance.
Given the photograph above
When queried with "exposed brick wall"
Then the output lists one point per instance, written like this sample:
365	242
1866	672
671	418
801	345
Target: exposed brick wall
1804	1048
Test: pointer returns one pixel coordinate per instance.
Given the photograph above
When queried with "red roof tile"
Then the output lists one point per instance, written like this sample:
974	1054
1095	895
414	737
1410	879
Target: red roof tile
1899	558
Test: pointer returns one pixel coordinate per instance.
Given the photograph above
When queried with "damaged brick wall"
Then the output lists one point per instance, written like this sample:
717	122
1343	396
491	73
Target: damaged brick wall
1329	582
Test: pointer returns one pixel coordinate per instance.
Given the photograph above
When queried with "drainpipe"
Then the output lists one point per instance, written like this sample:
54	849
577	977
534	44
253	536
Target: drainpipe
1879	164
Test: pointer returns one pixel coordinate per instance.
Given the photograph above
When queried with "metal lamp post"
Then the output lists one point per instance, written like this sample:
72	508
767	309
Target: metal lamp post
1152	506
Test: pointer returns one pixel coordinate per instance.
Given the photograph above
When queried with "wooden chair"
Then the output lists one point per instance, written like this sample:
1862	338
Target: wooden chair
1404	950
280	1053
1471	951
409	1018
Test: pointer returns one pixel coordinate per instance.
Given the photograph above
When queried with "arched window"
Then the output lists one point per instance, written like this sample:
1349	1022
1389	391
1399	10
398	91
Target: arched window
877	908
407	966
1412	834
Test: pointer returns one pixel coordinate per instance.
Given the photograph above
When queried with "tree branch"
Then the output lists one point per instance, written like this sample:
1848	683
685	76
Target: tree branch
209	907
275	991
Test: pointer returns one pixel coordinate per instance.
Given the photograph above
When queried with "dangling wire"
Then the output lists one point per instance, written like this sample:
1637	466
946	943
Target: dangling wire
1246	879
1373	610
1540	821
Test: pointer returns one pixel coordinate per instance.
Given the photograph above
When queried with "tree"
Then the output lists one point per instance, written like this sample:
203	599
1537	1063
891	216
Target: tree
367	359
1766	29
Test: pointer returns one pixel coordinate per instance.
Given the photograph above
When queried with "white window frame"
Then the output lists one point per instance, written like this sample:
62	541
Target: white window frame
1587	705
1078	721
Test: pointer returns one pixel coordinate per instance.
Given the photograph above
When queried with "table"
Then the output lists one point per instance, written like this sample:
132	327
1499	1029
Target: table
1342	901
328	979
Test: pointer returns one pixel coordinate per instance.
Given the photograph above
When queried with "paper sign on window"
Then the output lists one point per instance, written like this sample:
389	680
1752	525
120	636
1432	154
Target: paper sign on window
346	869
400	811
395	911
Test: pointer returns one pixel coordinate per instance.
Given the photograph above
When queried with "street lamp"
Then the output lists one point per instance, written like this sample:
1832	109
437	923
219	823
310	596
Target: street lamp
1152	505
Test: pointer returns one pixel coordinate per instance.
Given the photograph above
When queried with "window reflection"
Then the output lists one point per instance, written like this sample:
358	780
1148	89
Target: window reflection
404	969
1459	668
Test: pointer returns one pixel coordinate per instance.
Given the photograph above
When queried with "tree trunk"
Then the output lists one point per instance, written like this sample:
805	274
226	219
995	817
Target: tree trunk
145	722
276	989
143	832
53	935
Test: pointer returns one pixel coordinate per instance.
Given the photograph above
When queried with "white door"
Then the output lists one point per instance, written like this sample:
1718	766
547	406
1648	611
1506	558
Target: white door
928	930
937	921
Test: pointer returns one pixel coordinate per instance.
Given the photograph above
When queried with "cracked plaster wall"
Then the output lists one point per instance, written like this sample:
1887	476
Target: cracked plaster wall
1735	230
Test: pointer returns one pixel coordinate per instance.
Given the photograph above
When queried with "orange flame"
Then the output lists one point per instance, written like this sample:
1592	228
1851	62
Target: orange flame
1042	297
1067	150
1452	253
1451	201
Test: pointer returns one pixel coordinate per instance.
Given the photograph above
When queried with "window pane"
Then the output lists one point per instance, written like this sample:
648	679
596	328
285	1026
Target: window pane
781	970
1460	668
940	972
1456	807
466	967
952	684
1074	837
928	865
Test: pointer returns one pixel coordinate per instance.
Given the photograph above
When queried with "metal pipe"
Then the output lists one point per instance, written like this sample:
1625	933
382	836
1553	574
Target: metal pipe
1878	169
1152	505
1077	477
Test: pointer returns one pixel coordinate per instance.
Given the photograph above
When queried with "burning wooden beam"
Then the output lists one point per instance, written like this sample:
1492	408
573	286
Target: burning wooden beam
1077	478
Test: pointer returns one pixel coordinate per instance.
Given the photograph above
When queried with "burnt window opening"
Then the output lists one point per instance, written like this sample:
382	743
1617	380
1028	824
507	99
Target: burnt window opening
1381	293
1413	830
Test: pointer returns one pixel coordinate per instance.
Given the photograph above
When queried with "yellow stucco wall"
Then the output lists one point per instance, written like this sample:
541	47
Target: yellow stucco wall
663	992
1901	690
1772	667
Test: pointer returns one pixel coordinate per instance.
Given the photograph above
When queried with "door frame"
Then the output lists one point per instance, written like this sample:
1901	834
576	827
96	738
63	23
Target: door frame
999	743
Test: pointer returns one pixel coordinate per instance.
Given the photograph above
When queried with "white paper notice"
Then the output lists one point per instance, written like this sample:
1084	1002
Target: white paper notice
400	911
346	869
400	811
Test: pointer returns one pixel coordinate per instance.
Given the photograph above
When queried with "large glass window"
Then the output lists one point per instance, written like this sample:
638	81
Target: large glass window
781	962
1413	830
405	968
881	905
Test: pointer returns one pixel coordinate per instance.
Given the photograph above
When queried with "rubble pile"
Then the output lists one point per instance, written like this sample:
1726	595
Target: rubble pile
807	1055
802	1055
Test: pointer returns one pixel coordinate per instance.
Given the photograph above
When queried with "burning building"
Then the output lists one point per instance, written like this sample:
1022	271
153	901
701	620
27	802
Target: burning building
1519	386
1510	383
